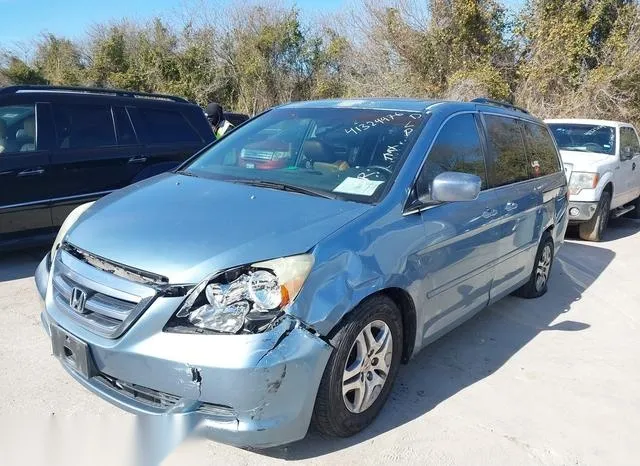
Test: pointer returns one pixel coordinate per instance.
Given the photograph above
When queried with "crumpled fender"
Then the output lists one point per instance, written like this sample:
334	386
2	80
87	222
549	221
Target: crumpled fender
350	267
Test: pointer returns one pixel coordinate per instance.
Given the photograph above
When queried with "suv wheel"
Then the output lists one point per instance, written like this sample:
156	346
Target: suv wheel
593	230
361	370
539	278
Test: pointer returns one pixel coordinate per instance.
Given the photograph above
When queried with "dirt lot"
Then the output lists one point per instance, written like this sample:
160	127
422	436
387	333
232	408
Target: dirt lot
548	381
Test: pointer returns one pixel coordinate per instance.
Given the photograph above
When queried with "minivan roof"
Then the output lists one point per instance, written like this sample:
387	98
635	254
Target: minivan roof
413	105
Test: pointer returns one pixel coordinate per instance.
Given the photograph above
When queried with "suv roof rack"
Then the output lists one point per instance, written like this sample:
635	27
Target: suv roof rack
499	103
90	90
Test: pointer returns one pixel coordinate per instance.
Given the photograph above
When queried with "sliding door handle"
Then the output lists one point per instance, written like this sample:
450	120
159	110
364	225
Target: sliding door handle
32	172
138	159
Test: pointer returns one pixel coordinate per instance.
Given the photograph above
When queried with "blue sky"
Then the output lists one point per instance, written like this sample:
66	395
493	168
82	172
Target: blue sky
23	20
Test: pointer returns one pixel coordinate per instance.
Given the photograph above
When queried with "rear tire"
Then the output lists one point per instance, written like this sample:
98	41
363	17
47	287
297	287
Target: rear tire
594	229
537	284
351	392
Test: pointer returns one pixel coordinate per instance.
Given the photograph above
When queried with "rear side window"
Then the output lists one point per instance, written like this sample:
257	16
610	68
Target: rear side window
543	157
506	153
83	126
124	128
456	149
167	126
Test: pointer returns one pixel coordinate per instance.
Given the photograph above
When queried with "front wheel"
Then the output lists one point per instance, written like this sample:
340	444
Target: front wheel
361	370
593	230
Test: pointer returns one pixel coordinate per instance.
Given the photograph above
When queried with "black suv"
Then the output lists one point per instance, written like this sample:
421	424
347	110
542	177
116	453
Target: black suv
63	146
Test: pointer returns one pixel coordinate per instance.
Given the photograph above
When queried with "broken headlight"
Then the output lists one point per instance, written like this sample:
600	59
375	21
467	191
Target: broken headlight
244	299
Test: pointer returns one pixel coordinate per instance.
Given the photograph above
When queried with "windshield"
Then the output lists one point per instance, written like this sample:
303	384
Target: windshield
585	138
341	153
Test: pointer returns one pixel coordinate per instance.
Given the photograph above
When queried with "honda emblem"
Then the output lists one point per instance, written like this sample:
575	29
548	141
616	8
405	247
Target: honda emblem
77	300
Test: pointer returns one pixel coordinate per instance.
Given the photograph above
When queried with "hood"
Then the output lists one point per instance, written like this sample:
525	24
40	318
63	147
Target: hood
186	228
584	161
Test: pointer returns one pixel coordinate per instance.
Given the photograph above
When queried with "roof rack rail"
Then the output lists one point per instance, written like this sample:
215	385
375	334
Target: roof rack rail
90	90
499	103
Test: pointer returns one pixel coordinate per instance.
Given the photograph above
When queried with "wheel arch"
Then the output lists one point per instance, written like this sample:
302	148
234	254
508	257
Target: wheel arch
403	300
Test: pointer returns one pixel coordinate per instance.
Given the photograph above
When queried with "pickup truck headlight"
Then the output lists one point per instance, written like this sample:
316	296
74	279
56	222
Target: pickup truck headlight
71	219
582	180
245	298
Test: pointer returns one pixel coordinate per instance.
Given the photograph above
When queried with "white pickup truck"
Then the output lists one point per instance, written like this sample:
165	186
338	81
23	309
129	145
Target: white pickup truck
602	162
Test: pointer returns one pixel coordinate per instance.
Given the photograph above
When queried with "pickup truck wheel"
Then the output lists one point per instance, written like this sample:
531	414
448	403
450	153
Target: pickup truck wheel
361	370
593	230
537	284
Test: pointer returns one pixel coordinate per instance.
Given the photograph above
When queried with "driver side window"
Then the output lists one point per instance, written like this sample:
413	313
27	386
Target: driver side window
457	148
629	145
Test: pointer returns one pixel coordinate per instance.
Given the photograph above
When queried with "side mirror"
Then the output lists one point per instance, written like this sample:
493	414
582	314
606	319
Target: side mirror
626	153
455	187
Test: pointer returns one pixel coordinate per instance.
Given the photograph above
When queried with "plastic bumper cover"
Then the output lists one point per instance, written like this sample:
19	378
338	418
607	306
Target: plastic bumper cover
244	390
581	211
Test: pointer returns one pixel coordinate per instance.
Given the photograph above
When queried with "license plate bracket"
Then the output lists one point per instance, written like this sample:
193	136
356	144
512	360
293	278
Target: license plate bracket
72	352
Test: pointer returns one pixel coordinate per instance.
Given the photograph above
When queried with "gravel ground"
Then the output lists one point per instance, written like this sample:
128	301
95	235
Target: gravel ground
547	381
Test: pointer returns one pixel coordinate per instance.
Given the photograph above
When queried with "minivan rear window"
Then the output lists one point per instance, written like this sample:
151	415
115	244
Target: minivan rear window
543	156
166	126
507	158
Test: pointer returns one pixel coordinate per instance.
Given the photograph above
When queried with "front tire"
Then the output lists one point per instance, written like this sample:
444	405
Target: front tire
539	278
594	229
361	370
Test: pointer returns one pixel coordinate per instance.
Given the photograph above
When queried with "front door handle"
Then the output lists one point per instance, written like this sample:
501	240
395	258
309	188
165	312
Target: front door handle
510	206
633	166
488	213
32	172
138	159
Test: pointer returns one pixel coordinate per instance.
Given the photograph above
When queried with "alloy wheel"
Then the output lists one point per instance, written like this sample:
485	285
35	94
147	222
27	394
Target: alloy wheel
544	265
367	366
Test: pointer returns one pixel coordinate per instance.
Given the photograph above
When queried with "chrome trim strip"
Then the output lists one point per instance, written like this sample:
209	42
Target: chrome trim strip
56	199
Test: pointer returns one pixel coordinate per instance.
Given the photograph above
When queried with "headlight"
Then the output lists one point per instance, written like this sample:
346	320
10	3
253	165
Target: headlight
245	298
66	225
582	180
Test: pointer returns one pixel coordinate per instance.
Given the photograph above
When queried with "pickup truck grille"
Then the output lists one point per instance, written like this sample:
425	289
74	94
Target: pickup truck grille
100	301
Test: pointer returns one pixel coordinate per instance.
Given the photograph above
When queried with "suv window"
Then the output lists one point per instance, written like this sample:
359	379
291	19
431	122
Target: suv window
543	157
17	128
456	149
167	126
83	126
124	128
507	159
629	146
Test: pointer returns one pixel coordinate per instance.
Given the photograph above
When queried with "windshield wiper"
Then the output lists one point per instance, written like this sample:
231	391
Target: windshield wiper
284	187
186	173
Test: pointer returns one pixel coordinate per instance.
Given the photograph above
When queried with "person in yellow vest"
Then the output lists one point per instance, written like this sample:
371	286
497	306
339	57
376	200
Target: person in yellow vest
215	115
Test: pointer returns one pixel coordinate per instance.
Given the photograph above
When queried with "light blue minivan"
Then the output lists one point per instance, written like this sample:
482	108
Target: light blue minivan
282	275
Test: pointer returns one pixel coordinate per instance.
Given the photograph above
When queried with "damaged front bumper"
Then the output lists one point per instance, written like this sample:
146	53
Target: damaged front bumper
245	390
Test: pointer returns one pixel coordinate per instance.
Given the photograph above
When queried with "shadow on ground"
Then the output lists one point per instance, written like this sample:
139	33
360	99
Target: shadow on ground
473	351
20	264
